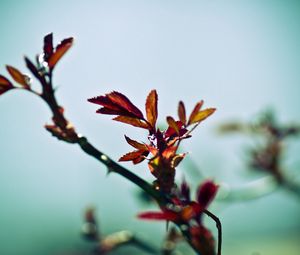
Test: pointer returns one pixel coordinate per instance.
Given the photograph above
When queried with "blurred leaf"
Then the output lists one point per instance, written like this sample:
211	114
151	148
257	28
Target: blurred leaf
5	84
32	68
181	112
173	124
20	78
165	215
206	193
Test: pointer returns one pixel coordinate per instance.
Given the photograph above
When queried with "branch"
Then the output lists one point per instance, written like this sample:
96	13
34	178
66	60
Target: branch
62	129
116	168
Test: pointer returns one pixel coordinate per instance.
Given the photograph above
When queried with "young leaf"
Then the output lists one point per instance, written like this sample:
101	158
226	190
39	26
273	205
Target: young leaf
18	76
177	159
32	68
108	111
131	155
60	50
202	115
109	107
151	108
195	111
141	158
5	84
173	124
169	152
132	121
136	144
181	112
48	46
124	103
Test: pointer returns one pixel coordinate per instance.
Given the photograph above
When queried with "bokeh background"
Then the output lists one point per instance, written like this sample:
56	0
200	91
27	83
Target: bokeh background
239	56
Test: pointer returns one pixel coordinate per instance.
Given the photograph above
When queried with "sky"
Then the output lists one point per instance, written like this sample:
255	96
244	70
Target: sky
241	57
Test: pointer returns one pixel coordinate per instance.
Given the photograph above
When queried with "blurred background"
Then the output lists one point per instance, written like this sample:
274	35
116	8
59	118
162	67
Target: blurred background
241	57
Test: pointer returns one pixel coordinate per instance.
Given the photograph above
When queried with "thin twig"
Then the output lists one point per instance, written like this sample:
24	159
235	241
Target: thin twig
219	227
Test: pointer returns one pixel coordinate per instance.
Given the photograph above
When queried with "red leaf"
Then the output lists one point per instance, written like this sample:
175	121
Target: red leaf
166	215
169	152
60	50
131	155
181	112
173	124
132	121
141	158
152	150
108	111
136	144
20	78
151	108
124	103
48	46
171	131
195	111
104	101
5	84
206	193
202	115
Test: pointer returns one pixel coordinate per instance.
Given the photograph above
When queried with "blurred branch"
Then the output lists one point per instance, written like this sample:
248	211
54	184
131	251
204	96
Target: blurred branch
266	158
109	243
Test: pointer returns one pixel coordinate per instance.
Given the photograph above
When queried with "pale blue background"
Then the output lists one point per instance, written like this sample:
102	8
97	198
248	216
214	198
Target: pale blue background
239	56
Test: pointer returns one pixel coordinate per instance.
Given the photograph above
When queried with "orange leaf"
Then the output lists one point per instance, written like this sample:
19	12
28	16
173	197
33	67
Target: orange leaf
18	76
151	108
132	121
169	152
173	124
61	49
202	115
195	111
136	144
4	82
181	112
177	159
152	150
